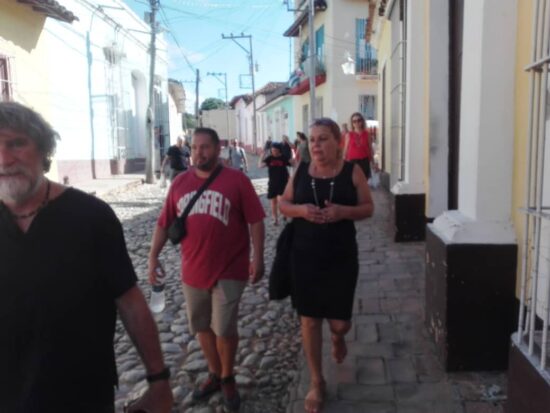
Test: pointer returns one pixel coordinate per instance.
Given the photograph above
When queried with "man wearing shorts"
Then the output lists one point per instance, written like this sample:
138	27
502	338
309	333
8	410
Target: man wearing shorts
215	257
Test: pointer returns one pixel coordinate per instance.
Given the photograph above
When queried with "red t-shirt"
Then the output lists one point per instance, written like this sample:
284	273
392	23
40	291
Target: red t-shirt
217	245
358	146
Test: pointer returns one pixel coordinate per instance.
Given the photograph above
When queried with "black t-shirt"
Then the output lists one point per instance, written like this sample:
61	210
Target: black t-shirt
58	284
178	157
277	168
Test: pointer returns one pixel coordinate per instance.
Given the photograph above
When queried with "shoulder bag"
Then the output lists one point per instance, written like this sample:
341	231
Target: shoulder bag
280	276
177	231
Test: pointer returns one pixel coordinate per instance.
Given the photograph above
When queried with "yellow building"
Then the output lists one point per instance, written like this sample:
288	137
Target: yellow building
23	74
463	98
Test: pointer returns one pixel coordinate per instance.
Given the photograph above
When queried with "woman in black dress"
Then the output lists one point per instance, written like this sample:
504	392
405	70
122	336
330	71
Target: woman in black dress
324	197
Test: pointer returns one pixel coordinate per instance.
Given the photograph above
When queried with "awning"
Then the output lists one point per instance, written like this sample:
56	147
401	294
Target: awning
51	8
294	29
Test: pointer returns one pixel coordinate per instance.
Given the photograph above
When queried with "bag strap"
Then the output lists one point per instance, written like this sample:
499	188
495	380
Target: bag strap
199	192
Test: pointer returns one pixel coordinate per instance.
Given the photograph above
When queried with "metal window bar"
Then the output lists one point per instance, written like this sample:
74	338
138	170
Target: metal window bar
534	187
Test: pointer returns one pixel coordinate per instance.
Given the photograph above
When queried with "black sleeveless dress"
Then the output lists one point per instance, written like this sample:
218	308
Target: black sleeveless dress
324	259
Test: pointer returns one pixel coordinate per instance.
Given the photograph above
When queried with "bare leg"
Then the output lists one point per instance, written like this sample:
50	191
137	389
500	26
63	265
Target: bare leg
312	335
207	340
339	329
275	210
227	348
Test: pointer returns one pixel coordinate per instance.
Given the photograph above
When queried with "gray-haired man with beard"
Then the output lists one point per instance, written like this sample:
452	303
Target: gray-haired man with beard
64	273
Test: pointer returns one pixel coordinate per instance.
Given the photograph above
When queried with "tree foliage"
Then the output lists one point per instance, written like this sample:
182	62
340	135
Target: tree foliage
189	121
212	103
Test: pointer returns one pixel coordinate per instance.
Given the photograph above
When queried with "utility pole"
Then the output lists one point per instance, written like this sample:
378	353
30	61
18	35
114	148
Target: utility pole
197	116
150	141
312	61
250	55
224	82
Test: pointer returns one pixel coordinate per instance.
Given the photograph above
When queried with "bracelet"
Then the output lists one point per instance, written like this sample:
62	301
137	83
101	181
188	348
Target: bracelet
163	375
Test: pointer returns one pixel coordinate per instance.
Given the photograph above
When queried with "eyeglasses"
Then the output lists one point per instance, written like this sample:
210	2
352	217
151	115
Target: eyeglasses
357	120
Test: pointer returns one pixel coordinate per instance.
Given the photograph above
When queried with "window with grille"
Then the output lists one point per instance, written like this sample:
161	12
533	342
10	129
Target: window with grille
366	62
5	80
535	261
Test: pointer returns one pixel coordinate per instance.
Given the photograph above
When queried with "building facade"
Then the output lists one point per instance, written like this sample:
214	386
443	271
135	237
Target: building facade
465	120
346	74
88	76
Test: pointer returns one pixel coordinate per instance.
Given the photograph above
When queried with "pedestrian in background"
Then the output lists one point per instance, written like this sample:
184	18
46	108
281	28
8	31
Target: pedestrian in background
215	257
177	157
237	156
358	148
302	149
65	273
286	148
277	172
329	195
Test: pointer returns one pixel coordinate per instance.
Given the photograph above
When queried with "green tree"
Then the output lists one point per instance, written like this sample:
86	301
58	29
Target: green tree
212	103
189	121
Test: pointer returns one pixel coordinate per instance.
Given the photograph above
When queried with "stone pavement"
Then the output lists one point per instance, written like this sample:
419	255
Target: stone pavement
391	365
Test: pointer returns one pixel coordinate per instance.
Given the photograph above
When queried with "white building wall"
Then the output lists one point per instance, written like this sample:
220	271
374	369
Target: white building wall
221	121
96	107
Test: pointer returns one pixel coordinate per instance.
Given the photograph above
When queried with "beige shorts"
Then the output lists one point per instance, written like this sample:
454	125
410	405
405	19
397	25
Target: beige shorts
217	308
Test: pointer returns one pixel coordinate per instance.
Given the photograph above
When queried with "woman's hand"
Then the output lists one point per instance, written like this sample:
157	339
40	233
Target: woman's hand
332	212
312	213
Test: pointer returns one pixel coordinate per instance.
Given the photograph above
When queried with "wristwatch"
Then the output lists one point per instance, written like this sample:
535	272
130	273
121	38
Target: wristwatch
162	375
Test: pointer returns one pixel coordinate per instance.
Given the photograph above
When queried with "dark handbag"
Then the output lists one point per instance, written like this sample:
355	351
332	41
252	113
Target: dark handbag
280	275
176	230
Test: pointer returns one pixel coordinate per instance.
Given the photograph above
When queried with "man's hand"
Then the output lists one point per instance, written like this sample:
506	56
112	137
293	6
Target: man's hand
157	399
152	265
256	270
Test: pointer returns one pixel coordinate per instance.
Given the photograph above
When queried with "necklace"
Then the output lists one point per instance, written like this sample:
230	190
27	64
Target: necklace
314	189
42	205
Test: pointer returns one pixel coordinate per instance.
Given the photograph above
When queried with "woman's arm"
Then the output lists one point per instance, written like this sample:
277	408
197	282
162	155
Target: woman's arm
288	208
261	160
364	207
346	145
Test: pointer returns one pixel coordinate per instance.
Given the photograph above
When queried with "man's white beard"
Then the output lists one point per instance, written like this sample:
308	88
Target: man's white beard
17	188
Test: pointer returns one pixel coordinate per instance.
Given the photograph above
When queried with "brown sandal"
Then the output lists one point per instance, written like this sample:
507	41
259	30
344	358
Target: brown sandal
339	348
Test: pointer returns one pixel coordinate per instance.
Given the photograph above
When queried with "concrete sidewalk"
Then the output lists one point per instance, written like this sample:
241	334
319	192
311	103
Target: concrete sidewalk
111	184
391	365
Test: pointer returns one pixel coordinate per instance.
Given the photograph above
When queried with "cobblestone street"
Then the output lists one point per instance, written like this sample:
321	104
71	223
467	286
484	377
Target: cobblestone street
391	366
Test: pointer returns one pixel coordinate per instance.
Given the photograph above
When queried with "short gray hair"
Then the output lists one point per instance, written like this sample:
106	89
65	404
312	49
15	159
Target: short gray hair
22	119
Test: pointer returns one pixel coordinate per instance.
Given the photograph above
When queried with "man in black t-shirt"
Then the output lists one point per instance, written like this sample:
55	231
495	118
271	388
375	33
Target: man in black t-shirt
64	274
178	156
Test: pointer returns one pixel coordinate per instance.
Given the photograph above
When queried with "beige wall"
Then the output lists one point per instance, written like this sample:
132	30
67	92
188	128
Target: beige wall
523	52
22	41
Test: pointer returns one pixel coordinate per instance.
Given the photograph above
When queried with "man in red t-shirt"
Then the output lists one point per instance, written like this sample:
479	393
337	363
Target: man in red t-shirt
215	256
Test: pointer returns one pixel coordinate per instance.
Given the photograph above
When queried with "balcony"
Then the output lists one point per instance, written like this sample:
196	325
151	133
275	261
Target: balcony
299	80
366	69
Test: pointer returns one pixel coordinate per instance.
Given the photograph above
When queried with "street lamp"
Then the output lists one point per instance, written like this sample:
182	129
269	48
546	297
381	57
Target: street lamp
224	83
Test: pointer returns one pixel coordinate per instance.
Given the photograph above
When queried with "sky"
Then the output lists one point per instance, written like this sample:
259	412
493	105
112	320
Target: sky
194	37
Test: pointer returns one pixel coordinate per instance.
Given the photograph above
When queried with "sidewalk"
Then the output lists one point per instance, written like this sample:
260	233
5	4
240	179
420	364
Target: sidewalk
111	184
391	365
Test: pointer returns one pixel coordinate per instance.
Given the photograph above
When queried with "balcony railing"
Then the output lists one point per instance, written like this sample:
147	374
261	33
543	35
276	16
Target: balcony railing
319	67
366	67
